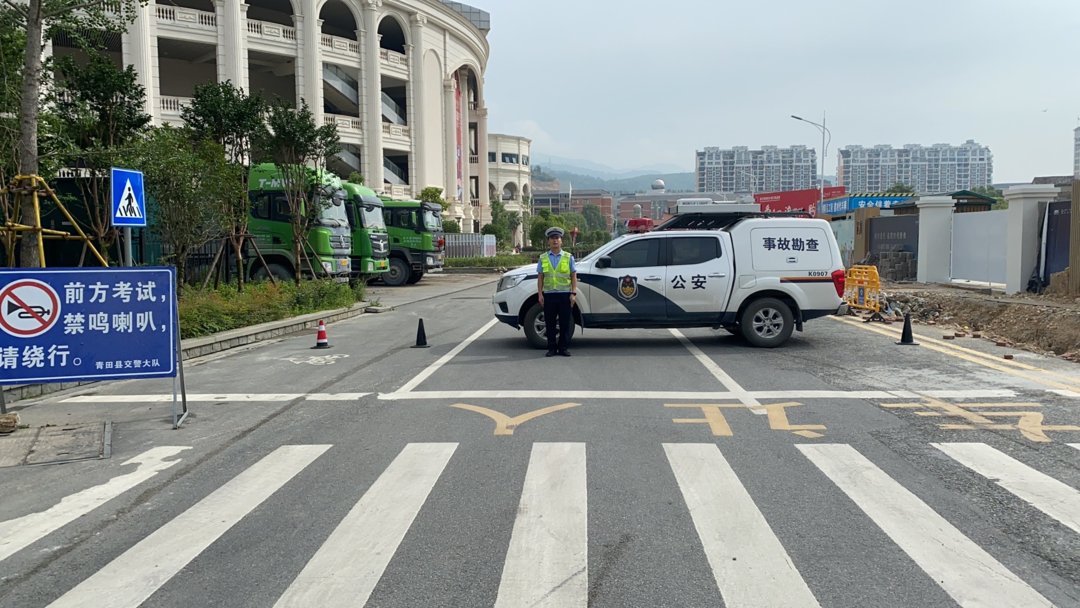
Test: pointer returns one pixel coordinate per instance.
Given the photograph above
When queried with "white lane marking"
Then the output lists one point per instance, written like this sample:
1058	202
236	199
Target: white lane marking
18	533
970	575
1064	393
434	367
210	397
346	568
128	580
1075	445
738	392
750	565
691	395
548	557
1040	490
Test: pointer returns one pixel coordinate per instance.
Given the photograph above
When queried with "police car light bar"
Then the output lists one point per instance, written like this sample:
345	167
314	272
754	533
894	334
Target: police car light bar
708	205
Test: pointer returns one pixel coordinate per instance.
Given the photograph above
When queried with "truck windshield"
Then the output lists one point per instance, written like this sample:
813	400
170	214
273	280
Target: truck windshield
334	215
432	221
371	216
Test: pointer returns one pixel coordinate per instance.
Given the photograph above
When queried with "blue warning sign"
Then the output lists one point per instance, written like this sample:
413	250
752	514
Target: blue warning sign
128	202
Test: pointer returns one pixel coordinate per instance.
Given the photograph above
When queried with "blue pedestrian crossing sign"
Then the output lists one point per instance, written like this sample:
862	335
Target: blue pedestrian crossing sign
128	202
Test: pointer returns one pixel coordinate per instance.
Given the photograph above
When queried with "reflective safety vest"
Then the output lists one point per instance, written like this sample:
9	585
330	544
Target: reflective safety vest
558	278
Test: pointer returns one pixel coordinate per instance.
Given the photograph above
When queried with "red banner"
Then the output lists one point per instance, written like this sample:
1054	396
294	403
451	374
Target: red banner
795	200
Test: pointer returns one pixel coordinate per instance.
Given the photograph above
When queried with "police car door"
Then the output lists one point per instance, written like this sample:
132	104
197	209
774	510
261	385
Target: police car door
631	288
697	278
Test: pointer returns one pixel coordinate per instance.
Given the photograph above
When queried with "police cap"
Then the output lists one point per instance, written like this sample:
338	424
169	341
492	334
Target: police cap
554	231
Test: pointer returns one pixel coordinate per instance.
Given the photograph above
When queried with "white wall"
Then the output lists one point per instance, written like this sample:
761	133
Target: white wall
978	248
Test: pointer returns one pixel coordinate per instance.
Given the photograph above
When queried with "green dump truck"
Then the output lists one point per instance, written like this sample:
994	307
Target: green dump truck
416	240
329	240
370	242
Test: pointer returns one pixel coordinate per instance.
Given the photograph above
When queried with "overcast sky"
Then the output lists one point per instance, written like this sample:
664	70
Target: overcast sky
630	83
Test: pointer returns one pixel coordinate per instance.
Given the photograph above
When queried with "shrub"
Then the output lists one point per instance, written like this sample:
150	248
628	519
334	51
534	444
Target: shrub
225	308
499	261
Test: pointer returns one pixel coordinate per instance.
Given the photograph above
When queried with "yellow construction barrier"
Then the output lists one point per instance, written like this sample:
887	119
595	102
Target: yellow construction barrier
863	288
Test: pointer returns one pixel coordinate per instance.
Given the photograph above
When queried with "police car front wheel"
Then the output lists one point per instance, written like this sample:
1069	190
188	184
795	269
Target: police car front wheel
536	328
767	323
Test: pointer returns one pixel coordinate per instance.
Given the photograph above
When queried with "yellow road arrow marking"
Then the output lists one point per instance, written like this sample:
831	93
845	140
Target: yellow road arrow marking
505	425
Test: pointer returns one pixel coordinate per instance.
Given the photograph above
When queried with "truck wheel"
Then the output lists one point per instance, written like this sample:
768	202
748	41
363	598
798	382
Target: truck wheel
535	329
278	271
398	273
414	277
767	323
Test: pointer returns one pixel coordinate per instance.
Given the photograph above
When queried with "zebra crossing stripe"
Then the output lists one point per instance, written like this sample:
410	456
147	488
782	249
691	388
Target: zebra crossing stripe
17	534
970	575
130	579
750	565
345	570
547	561
1040	490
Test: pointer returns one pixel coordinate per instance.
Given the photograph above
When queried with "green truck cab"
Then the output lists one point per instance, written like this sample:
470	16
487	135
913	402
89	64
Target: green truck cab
329	239
416	240
370	242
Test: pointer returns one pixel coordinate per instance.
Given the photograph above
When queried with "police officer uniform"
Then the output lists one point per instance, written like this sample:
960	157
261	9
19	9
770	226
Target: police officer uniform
557	279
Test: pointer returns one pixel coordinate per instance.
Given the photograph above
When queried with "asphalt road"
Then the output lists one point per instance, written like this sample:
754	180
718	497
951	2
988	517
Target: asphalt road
652	468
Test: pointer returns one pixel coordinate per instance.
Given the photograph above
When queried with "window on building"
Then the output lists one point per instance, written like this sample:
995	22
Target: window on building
525	160
491	157
508	158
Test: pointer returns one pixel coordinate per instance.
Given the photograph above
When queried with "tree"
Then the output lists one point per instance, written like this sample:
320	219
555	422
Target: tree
224	114
38	18
300	149
431	194
503	223
900	188
451	227
994	193
356	178
539	225
575	220
594	216
185	182
101	110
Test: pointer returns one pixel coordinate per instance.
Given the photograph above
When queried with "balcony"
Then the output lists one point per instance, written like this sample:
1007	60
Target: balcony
171	106
396	136
475	202
349	127
275	34
335	46
474	159
393	63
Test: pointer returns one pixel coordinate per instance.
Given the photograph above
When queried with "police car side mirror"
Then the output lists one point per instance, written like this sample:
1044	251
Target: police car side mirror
603	262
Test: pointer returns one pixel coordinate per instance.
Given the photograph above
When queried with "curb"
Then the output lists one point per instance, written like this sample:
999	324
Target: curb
200	347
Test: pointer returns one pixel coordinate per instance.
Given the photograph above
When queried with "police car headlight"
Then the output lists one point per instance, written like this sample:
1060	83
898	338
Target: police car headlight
510	282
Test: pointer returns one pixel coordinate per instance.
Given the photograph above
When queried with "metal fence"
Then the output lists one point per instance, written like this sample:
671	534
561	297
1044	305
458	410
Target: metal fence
470	245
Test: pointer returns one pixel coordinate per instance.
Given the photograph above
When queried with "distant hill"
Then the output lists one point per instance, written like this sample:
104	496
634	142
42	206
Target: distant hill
680	182
591	169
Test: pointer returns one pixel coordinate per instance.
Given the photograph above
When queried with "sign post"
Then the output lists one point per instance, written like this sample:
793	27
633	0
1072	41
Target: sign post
128	205
85	325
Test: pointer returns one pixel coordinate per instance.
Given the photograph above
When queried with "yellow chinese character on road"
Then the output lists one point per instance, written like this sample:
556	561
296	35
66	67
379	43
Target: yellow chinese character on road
1029	423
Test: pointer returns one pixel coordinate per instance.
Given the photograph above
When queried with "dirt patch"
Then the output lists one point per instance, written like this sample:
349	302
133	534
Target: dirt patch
1045	324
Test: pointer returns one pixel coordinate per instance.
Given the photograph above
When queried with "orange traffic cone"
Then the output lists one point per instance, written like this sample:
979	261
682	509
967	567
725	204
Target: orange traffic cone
320	340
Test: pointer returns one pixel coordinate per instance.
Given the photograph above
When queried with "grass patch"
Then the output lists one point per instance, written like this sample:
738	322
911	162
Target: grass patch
499	261
225	308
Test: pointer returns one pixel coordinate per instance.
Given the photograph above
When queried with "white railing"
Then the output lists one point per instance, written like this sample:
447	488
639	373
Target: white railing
391	130
271	31
394	59
173	105
337	43
470	245
186	16
474	159
350	123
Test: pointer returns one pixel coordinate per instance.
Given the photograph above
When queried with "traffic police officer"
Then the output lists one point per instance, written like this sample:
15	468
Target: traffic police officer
556	285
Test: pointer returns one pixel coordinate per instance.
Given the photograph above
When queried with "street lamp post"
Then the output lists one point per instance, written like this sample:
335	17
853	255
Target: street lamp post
824	152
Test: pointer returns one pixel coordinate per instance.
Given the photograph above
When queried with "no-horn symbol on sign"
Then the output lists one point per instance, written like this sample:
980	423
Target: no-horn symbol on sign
28	308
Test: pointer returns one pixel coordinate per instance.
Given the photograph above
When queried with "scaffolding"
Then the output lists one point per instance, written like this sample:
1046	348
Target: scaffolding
12	232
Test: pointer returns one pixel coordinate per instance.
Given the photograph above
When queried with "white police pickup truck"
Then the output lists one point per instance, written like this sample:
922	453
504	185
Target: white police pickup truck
712	265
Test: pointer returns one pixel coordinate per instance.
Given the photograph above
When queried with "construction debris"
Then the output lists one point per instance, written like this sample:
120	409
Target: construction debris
1046	324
